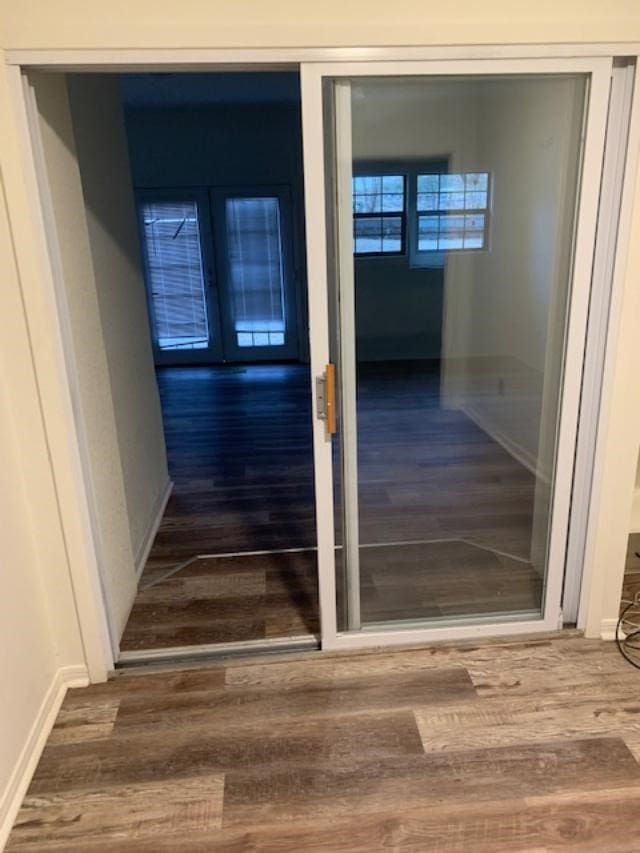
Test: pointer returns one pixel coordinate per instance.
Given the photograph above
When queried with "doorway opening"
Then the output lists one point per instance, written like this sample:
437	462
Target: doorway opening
217	173
451	315
193	184
219	202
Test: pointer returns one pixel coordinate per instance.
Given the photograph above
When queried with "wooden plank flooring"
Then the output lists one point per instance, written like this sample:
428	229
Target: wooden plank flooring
240	456
239	447
227	599
275	595
527	746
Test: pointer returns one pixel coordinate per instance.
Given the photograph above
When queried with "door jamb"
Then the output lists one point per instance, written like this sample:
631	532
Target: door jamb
75	494
618	159
76	511
589	609
121	60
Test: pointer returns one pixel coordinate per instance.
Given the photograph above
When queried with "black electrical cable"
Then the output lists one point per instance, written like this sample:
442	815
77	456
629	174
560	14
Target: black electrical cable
625	644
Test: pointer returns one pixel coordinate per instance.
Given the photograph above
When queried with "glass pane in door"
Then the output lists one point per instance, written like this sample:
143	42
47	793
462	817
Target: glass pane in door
256	271
175	275
457	213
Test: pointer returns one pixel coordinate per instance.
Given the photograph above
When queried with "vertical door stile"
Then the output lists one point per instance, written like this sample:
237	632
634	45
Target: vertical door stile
617	140
348	362
584	241
318	307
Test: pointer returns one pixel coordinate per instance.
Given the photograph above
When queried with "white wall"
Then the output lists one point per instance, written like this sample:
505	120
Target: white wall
25	632
118	400
39	632
635	509
155	23
101	147
506	306
24	623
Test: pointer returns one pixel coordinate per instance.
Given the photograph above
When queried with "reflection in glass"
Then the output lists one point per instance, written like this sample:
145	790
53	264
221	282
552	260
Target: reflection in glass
373	195
459	359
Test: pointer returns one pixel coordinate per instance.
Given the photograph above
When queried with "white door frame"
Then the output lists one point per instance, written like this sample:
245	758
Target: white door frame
602	314
313	78
38	272
122	60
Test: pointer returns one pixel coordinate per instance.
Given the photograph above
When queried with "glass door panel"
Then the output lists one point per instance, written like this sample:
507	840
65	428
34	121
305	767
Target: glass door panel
455	223
175	246
256	272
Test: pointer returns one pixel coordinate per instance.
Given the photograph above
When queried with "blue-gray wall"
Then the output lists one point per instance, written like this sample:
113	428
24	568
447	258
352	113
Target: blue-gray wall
399	309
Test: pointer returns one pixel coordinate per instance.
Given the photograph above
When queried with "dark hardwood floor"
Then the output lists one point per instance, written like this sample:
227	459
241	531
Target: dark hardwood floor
504	747
240	455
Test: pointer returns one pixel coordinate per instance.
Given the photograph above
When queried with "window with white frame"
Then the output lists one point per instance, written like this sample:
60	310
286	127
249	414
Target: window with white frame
452	211
379	215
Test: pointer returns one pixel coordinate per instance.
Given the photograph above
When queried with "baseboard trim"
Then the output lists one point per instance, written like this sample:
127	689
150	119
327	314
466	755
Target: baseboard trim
524	457
608	629
13	795
156	519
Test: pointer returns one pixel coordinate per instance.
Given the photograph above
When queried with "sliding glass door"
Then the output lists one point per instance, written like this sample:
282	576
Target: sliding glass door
452	285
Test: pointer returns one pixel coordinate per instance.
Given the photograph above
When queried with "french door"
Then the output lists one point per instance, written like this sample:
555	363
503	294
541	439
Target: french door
219	273
179	272
252	233
451	208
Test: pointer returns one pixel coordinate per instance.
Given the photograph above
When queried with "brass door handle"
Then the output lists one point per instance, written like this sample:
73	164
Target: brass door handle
330	398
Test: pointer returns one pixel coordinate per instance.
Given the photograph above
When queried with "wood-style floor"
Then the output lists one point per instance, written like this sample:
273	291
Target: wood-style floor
520	747
269	596
239	448
240	455
227	600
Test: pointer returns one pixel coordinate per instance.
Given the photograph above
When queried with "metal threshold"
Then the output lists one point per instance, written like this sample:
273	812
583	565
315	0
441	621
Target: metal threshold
218	651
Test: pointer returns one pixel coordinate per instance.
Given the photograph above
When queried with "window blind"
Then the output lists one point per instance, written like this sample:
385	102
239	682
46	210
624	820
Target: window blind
256	271
175	274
